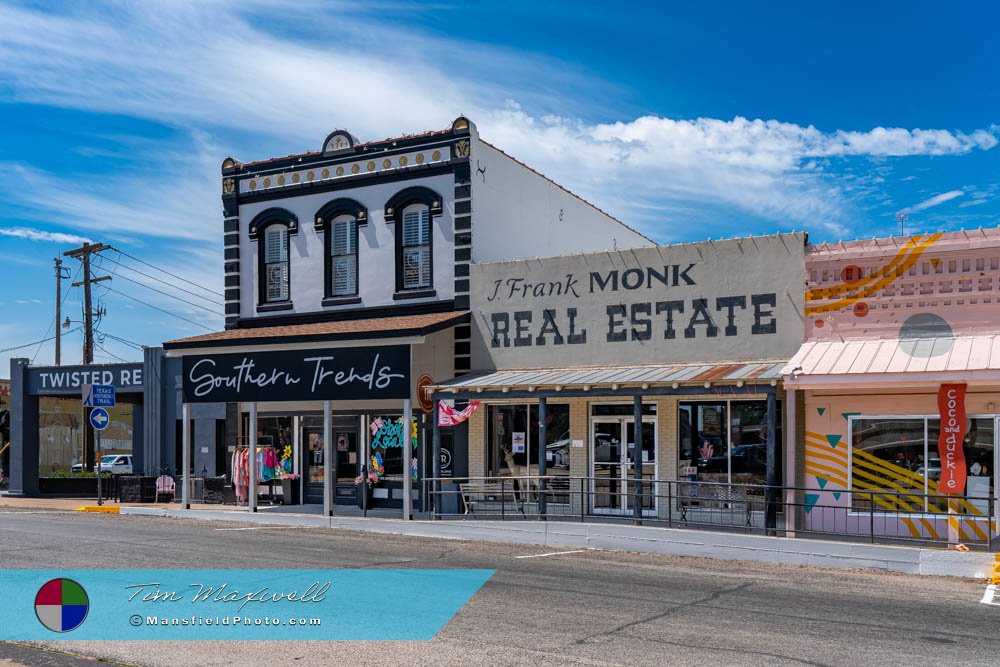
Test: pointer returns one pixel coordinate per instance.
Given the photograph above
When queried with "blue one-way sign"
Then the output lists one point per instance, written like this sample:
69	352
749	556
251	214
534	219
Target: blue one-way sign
99	419
98	396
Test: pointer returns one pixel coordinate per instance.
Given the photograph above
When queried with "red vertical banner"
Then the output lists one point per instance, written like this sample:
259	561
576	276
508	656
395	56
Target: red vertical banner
951	406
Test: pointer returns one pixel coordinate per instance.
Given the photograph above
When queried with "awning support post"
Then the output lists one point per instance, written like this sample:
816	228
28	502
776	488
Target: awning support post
407	445
436	458
185	456
637	459
252	461
327	461
770	505
542	462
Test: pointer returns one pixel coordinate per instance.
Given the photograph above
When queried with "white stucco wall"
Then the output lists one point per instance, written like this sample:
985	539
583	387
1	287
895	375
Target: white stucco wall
376	248
517	213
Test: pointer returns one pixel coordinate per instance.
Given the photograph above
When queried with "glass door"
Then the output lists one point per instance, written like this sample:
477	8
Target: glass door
647	460
312	459
348	465
614	464
608	491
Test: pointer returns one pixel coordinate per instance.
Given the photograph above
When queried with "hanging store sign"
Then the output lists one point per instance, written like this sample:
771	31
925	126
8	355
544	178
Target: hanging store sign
350	373
735	299
951	407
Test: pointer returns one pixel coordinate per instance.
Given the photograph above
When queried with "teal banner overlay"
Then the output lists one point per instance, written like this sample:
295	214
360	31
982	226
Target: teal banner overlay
232	604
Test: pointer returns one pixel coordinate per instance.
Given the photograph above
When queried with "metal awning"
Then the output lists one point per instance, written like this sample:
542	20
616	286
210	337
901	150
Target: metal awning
895	359
616	377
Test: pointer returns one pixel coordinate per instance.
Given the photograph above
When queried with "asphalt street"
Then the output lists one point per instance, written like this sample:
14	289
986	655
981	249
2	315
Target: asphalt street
586	608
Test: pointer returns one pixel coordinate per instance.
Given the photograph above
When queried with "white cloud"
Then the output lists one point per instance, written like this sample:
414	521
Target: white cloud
41	235
936	200
288	90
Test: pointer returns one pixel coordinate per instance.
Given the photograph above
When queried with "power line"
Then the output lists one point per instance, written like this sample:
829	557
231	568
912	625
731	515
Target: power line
167	312
119	265
107	351
172	296
172	275
37	342
124	341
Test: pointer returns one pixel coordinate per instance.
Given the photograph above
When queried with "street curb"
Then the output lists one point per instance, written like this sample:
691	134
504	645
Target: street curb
638	539
100	509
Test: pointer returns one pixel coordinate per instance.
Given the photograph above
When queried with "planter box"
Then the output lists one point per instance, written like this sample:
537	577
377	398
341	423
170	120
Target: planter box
77	486
290	489
136	489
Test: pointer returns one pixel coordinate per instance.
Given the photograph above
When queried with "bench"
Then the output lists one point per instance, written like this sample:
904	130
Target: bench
480	493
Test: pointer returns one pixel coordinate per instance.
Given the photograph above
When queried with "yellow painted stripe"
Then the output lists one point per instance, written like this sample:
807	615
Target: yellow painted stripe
102	509
826	451
898	472
840	463
902	499
914	531
826	470
930	528
871	289
837	290
828	478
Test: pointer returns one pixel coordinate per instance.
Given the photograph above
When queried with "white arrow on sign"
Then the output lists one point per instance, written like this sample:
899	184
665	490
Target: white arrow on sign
100	418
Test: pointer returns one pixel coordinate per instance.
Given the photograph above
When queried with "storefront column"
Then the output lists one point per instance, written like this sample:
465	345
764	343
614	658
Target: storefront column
252	460
407	445
790	462
542	462
770	495
436	458
186	456
327	460
637	459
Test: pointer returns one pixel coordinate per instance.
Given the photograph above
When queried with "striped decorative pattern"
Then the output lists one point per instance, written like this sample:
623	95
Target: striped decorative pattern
463	257
231	270
828	462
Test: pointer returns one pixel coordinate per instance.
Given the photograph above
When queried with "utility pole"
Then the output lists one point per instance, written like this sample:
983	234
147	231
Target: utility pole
59	277
83	254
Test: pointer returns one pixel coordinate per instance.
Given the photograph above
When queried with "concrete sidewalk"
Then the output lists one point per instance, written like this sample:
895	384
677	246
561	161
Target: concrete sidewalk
565	535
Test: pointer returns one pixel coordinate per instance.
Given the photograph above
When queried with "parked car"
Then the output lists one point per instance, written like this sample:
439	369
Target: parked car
116	464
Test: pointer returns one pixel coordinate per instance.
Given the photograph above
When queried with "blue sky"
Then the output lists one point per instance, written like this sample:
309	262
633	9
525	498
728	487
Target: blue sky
686	120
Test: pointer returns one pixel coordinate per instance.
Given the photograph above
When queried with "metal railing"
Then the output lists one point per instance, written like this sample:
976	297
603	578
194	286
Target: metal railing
882	515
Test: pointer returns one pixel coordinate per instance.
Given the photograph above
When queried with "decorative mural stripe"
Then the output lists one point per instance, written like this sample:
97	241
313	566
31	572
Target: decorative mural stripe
829	474
844	288
908	522
871	289
824	477
897	472
827	453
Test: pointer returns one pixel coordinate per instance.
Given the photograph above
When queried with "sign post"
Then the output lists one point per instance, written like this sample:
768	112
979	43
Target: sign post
97	397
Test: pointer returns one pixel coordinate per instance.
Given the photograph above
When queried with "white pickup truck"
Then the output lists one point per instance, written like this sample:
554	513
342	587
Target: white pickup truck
116	464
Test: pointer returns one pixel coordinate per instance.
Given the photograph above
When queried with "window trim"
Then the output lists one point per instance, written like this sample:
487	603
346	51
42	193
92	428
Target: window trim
324	218
394	209
257	232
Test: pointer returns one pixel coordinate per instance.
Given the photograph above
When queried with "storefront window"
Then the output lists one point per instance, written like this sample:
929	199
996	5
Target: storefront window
726	441
387	448
513	436
61	436
898	458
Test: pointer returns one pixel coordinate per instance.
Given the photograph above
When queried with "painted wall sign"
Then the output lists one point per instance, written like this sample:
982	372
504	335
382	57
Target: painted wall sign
349	373
951	407
737	299
60	380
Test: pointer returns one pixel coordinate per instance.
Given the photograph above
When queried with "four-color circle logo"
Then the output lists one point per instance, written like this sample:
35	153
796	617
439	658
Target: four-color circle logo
61	605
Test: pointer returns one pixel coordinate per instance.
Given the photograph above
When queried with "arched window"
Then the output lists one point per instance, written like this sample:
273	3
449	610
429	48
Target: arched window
338	222
275	263
416	246
272	230
343	231
412	211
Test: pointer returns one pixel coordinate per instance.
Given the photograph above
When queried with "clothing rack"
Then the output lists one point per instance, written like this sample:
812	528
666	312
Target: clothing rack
240	469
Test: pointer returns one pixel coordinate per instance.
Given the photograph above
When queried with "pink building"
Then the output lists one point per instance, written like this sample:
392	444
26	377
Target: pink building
887	323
